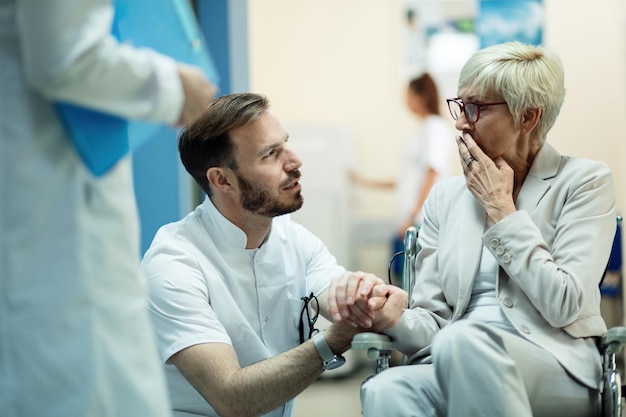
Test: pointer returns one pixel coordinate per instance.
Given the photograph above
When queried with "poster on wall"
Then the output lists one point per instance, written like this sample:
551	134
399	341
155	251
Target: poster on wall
506	20
438	36
432	25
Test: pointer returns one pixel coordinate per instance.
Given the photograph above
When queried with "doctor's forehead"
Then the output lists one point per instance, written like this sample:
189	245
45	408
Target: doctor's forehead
266	131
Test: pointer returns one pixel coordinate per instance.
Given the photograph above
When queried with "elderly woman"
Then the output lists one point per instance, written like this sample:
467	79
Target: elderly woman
505	309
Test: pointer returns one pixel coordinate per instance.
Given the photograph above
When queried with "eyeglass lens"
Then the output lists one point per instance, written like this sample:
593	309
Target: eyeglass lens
471	112
470	109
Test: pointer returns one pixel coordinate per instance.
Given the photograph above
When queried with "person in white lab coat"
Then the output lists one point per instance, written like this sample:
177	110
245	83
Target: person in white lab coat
75	338
425	160
234	286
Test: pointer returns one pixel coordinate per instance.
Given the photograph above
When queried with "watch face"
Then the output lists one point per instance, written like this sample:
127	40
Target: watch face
334	363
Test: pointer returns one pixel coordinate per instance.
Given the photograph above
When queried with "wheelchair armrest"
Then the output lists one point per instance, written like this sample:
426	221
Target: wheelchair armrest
374	343
613	340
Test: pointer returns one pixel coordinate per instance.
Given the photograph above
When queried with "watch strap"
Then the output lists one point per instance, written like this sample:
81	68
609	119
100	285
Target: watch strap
322	347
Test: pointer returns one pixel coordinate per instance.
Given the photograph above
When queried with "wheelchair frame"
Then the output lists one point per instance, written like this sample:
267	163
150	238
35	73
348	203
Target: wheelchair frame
379	346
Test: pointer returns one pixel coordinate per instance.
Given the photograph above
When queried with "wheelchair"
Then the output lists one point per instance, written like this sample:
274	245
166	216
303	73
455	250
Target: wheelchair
379	347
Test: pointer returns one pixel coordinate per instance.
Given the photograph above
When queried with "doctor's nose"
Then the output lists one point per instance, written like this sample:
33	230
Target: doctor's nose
293	161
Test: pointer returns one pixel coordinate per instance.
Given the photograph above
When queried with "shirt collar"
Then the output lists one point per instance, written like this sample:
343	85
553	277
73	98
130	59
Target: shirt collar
224	228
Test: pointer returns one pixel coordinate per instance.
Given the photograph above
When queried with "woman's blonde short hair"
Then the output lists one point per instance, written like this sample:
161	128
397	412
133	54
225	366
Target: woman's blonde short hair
525	76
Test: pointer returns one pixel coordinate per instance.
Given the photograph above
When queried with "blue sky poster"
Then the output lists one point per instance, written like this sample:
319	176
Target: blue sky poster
510	20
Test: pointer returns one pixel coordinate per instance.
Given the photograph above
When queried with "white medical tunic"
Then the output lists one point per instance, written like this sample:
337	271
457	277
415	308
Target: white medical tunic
430	147
205	287
75	337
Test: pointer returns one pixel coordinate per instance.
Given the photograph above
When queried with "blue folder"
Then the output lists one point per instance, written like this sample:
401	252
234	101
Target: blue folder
167	26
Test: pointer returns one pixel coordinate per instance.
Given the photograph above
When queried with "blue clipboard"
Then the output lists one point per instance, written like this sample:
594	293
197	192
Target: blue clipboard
167	26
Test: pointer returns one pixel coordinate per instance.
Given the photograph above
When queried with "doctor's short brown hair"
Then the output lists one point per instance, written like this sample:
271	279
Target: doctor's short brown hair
206	143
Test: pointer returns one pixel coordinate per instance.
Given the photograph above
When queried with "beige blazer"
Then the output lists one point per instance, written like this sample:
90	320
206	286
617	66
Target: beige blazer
552	253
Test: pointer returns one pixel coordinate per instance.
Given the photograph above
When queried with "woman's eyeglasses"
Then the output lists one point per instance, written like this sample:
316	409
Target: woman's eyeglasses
308	318
471	108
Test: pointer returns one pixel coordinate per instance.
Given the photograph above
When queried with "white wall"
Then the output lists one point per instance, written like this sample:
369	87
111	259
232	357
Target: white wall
590	37
336	62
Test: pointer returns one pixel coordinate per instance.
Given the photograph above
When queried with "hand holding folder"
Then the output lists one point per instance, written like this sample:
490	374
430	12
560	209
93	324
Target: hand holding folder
168	27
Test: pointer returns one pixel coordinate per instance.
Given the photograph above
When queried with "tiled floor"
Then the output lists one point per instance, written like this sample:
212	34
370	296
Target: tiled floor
332	397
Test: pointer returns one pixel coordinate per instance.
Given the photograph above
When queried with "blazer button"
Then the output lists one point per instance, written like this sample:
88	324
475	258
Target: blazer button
506	258
524	329
499	250
494	243
507	302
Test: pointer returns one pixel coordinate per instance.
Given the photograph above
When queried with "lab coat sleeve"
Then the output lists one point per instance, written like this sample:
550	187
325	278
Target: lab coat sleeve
180	301
321	265
69	55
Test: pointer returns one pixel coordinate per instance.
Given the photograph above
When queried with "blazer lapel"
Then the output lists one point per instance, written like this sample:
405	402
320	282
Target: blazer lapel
472	218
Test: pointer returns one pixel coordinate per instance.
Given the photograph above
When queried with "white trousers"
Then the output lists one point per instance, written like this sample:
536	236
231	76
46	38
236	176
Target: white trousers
479	370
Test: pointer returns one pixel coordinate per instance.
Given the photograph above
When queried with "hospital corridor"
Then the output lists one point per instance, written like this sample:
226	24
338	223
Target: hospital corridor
206	204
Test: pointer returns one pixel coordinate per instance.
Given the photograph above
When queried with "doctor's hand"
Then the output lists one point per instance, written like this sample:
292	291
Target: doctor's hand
490	181
351	298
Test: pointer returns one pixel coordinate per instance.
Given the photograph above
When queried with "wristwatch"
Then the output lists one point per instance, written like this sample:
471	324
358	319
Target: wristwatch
329	359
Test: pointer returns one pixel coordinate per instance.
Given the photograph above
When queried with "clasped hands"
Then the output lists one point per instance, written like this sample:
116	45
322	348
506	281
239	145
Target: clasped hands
365	301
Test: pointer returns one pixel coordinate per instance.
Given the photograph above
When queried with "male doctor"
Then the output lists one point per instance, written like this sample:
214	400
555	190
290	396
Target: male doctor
232	284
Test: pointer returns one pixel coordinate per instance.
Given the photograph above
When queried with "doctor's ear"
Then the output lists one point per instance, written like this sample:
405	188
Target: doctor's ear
220	178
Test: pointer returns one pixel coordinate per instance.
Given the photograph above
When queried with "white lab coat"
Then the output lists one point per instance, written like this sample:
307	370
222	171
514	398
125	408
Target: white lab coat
206	287
430	147
75	338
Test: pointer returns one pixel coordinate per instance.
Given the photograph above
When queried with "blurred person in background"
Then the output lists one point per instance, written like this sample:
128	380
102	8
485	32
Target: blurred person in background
425	159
